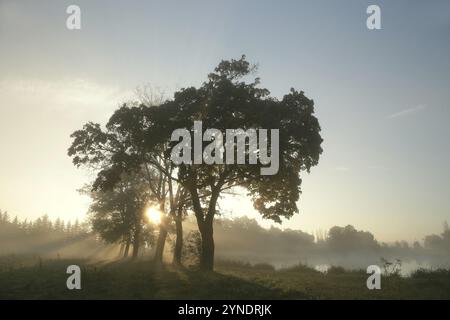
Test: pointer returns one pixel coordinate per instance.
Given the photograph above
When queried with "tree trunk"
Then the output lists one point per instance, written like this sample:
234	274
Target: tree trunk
127	248
207	232
159	252
207	254
135	249
205	226
122	248
161	242
137	239
177	252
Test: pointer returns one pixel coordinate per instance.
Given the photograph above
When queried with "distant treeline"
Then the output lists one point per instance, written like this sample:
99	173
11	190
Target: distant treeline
41	225
237	239
45	237
245	239
340	239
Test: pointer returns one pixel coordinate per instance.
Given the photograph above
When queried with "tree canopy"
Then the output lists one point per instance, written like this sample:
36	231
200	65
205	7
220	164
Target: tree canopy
228	99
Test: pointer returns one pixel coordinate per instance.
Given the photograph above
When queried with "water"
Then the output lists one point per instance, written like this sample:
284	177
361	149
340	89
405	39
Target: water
405	269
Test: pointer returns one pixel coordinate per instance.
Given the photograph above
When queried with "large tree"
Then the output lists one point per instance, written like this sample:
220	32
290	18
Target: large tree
227	101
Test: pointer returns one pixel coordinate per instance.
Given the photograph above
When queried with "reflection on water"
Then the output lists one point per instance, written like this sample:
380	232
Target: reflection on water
322	267
406	268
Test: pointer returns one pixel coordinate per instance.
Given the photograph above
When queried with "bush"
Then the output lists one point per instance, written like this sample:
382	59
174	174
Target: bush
336	270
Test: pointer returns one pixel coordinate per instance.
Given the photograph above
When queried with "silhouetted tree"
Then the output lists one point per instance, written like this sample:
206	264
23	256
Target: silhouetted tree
349	239
4	217
113	153
439	242
227	101
117	214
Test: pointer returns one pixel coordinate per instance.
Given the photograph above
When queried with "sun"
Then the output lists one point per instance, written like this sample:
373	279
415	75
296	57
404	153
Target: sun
153	215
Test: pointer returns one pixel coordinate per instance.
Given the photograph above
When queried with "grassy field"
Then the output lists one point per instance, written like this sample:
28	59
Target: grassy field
33	278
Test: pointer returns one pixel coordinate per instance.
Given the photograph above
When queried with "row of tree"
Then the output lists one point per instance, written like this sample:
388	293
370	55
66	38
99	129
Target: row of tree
40	225
46	237
131	157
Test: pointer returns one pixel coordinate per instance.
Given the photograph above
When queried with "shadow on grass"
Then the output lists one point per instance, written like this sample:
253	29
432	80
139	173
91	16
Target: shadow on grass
128	279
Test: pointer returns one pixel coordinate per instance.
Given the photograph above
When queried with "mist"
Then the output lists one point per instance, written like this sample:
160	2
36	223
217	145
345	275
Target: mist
240	240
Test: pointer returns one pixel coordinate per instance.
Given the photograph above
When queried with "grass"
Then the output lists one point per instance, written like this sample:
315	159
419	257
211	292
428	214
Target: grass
33	278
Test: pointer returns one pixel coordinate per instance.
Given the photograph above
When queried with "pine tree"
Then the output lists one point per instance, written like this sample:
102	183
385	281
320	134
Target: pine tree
24	225
76	227
5	218
69	228
57	225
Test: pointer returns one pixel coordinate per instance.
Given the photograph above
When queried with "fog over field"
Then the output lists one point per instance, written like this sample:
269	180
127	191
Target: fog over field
240	240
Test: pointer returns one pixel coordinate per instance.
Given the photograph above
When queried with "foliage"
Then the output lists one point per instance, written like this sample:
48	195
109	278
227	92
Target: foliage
349	239
439	242
192	248
391	268
117	213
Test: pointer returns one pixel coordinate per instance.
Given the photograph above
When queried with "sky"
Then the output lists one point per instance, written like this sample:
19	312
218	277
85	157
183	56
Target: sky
382	97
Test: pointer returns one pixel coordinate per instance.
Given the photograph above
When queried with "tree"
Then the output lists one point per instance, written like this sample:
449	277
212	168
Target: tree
347	238
114	156
59	225
439	242
117	213
192	247
4	218
179	212
227	101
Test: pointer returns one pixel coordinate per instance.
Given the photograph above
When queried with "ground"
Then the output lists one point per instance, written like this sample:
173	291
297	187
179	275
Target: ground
34	278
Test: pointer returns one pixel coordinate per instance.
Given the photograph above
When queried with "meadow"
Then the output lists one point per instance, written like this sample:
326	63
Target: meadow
34	278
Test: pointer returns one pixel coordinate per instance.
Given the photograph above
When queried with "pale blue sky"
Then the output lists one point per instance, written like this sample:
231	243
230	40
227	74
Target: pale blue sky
382	97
